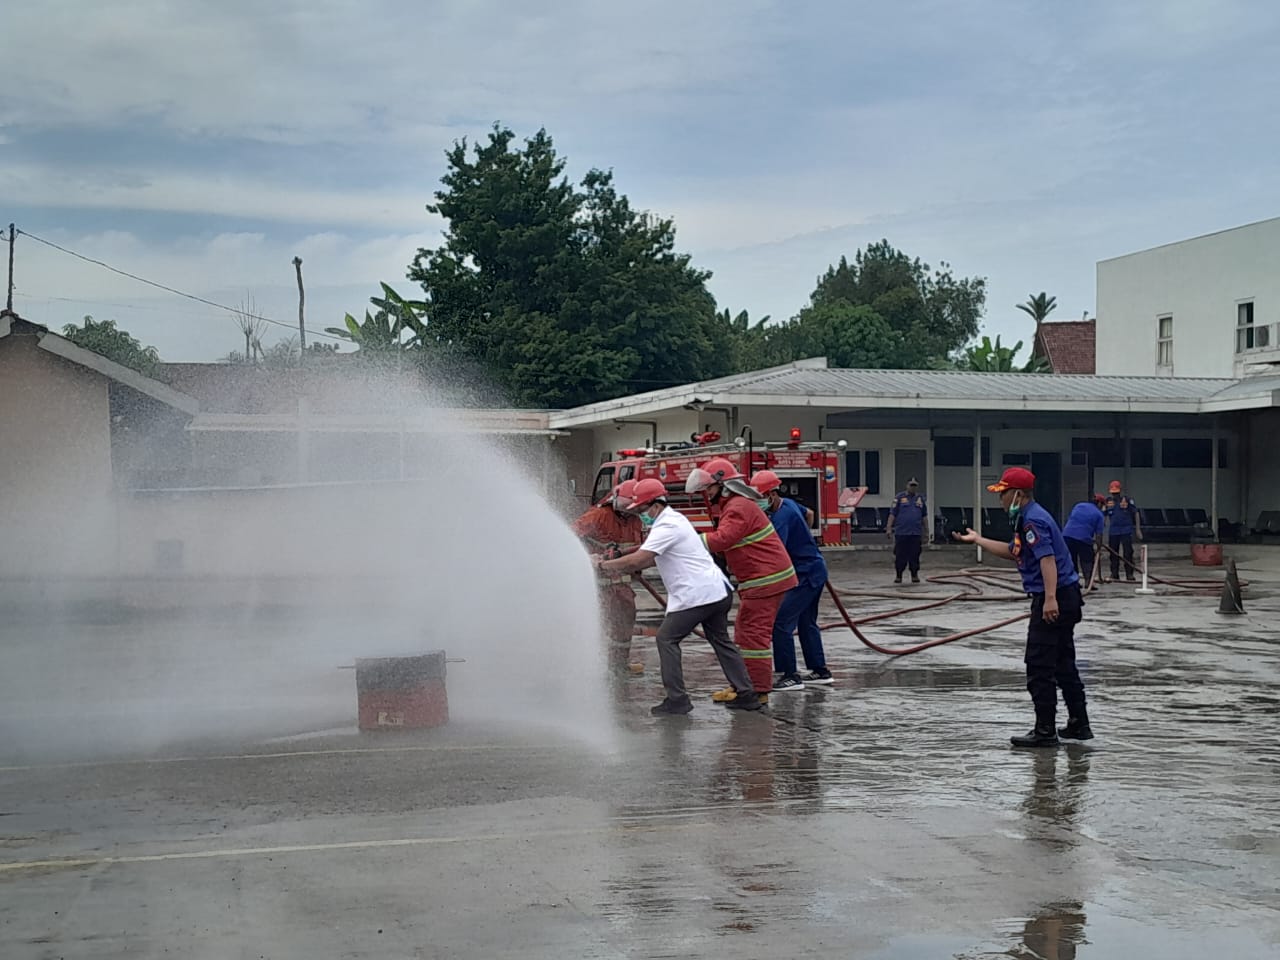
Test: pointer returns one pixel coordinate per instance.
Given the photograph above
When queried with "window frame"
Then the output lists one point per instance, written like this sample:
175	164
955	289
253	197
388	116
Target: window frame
1164	342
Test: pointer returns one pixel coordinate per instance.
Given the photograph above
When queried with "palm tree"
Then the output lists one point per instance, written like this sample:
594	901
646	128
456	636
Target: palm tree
1039	306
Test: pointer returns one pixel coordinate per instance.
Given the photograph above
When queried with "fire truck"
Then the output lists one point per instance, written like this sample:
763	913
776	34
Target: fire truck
812	474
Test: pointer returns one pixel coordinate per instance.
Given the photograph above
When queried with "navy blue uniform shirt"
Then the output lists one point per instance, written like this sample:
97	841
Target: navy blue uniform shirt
1121	511
1036	536
793	530
1085	522
908	511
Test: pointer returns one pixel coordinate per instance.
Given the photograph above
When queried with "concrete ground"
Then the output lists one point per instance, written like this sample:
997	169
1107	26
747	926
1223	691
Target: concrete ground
885	817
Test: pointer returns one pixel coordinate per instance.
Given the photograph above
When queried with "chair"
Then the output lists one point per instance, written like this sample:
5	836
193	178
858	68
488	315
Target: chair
866	519
1176	517
1197	516
882	517
1154	517
953	517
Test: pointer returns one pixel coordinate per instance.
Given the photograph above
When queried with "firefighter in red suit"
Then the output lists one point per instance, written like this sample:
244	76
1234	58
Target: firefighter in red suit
756	557
607	529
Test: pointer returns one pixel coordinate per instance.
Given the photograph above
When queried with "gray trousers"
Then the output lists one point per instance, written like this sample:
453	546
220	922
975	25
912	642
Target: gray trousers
714	620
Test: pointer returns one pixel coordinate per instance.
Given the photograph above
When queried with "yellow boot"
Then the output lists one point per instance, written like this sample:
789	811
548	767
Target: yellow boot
725	695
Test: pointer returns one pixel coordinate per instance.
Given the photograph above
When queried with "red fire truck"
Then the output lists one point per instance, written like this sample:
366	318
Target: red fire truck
812	474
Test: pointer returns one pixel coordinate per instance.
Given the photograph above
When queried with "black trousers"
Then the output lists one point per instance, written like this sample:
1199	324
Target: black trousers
1051	657
1124	542
906	553
1081	555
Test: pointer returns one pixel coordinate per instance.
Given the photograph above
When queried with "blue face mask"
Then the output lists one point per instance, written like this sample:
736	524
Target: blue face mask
763	504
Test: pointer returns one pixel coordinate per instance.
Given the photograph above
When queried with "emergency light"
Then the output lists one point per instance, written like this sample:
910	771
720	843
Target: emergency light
795	438
632	453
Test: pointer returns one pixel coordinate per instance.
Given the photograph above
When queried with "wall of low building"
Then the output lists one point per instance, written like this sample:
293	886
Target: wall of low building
56	506
1199	283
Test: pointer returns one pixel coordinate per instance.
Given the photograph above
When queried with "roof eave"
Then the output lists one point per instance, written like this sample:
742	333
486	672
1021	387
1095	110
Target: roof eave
64	348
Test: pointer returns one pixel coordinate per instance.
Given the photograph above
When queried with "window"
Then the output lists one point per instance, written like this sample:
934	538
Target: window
1102	451
1249	336
873	471
604	483
627	473
868	477
1186	452
953	451
1016	460
1142	453
1164	341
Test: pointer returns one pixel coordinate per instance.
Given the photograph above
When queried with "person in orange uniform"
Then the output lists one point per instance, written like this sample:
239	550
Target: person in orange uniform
756	557
608	529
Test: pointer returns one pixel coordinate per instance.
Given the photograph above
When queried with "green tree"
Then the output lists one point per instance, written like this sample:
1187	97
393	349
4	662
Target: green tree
1038	306
102	337
884	310
565	294
993	357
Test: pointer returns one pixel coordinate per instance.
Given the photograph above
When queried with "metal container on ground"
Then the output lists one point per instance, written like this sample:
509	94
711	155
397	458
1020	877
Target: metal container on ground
402	693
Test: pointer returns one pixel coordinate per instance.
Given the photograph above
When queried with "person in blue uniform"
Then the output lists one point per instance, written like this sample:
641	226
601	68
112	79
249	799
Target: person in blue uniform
906	529
1124	522
1050	580
799	608
1083	532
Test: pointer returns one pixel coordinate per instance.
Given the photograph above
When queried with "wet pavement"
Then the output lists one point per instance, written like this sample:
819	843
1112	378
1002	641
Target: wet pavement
885	817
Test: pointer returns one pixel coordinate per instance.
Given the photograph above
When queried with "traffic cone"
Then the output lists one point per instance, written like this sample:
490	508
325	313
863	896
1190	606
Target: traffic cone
1231	601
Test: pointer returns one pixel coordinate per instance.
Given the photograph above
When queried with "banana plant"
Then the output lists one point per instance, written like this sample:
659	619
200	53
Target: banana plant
385	329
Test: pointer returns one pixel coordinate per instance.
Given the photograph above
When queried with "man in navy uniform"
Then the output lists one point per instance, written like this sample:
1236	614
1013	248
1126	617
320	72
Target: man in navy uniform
1050	579
1124	522
906	529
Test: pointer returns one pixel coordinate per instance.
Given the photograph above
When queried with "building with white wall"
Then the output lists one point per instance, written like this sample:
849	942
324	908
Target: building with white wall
1176	443
1204	307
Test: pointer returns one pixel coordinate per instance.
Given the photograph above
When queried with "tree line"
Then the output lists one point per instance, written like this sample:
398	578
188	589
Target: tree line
564	294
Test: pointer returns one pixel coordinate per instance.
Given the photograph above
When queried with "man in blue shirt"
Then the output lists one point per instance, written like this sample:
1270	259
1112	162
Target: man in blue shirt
800	604
906	529
1125	522
1050	580
1083	531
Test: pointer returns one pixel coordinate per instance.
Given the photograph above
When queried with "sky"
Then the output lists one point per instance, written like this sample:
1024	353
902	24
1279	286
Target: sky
204	146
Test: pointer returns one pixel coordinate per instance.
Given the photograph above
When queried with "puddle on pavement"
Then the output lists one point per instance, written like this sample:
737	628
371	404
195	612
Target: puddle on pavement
1065	931
938	677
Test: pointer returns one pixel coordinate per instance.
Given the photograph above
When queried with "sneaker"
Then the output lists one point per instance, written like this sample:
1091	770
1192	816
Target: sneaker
817	677
788	683
636	667
748	703
1074	730
672	708
727	695
1036	737
897	579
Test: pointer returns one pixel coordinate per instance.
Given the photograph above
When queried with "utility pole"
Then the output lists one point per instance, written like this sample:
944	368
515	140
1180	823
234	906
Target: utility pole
302	326
8	305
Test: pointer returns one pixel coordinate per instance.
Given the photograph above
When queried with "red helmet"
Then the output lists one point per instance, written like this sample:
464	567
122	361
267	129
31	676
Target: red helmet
647	492
713	471
622	494
765	481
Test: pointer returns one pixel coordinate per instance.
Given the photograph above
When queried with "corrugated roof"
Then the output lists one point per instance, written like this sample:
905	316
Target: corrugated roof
967	385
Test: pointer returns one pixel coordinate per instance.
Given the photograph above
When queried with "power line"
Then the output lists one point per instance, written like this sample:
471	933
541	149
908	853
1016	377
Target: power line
165	288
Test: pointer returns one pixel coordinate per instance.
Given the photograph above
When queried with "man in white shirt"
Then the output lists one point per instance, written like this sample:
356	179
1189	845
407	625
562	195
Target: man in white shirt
697	595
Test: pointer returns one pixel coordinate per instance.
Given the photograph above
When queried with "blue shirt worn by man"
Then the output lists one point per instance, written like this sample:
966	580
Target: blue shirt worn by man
1085	522
793	530
1035	537
1120	511
908	512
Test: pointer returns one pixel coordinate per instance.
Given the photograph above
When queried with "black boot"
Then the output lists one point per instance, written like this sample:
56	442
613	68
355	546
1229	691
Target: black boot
1042	735
672	708
1077	728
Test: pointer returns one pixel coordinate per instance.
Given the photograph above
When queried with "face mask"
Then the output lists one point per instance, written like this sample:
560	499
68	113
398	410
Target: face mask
646	521
763	504
1014	509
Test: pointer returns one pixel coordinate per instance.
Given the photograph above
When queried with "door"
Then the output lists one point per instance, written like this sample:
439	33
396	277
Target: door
908	464
1048	470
